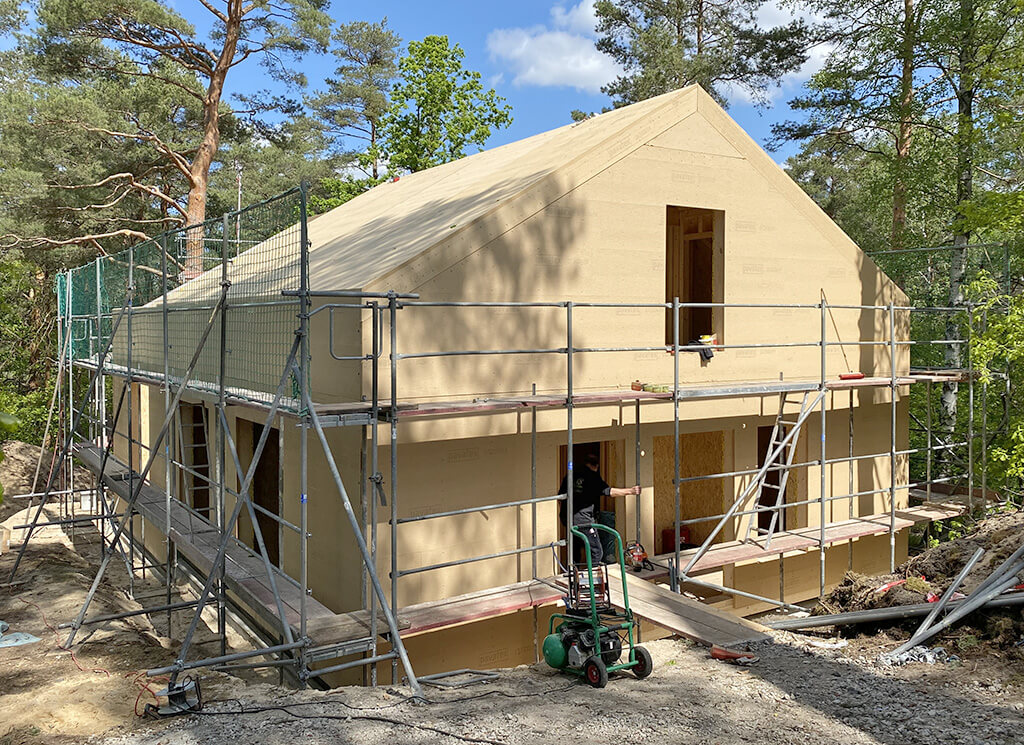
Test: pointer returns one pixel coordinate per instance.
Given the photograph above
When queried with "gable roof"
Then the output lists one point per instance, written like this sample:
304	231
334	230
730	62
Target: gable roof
373	234
360	243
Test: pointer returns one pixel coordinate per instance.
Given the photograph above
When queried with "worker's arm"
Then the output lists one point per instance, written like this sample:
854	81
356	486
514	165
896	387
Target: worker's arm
628	491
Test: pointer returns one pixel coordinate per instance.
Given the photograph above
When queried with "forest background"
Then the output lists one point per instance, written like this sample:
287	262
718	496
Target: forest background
902	119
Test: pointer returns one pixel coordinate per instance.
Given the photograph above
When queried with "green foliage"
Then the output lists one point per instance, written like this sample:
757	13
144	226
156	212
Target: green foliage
438	108
668	44
333	192
351	110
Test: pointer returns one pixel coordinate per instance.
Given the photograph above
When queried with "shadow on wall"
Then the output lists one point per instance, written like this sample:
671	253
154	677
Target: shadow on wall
521	252
877	289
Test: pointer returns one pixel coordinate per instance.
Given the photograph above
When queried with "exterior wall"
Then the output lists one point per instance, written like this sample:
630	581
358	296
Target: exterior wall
599	239
604	240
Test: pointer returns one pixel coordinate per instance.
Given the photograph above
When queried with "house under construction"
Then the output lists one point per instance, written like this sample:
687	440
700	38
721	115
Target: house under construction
350	430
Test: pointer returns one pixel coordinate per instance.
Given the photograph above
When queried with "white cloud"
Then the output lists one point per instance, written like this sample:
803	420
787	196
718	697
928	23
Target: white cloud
562	54
579	18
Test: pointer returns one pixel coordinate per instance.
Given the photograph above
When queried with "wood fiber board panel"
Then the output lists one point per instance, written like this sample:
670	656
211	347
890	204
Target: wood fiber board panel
500	642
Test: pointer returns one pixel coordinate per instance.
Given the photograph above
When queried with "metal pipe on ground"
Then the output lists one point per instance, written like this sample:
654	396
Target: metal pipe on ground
896	613
971	604
948	594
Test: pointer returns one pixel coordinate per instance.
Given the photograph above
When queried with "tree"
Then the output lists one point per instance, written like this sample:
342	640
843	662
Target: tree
873	91
259	162
668	44
356	99
438	108
127	39
975	45
920	86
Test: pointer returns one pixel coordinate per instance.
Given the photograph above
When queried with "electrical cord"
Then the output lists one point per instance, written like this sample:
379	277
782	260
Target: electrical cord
351	717
60	645
406	700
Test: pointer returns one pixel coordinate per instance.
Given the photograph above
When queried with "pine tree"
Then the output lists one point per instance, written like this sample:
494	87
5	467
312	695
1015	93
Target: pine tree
663	45
356	99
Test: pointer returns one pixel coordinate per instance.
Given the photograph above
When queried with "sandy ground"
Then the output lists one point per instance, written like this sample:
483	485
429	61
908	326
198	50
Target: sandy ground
804	688
794	694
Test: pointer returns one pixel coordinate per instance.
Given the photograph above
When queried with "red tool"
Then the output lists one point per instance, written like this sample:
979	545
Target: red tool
636	556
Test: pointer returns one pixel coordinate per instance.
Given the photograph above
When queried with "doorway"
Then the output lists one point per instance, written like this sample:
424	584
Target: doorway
610	468
265	489
769	493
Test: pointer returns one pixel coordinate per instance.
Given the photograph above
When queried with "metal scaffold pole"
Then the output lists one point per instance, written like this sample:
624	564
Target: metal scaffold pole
570	466
675	442
393	453
168	469
222	431
892	436
131	420
823	453
302	370
376	487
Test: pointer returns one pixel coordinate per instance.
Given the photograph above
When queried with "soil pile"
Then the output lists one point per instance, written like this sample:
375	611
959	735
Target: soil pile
930	573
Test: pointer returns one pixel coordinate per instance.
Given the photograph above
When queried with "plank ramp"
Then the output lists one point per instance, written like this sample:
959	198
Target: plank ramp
244	573
681	615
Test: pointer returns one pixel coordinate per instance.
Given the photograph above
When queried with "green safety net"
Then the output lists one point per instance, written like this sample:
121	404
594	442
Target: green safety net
178	278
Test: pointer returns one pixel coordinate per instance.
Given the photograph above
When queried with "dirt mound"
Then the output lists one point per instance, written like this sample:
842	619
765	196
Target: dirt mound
931	572
1000	535
19	467
860	592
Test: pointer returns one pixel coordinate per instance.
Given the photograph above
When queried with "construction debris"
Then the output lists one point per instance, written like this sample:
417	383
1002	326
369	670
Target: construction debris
988	564
916	654
739	657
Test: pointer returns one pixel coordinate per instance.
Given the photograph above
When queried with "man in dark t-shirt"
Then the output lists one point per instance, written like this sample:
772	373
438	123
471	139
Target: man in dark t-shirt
588	488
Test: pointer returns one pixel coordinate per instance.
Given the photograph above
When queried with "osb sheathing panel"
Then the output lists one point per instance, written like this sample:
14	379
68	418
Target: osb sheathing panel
700	453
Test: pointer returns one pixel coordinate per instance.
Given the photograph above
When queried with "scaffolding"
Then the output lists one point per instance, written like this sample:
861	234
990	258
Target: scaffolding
179	313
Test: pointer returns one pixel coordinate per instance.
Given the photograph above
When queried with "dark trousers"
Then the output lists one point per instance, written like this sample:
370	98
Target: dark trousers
593	544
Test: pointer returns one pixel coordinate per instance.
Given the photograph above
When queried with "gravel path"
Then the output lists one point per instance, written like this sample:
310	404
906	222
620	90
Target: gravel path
794	694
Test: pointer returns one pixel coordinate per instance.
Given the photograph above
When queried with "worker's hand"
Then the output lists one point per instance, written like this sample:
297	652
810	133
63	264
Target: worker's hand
635	490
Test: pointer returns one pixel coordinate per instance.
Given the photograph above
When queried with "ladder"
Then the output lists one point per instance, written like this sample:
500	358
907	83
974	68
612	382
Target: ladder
189	446
792	414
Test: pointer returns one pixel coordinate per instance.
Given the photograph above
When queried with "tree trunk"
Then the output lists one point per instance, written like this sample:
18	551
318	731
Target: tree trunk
199	170
904	131
961	236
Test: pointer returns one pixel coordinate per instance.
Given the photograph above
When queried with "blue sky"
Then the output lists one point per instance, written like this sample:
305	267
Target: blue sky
538	54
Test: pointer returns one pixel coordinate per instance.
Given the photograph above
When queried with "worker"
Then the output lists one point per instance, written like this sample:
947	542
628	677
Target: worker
586	499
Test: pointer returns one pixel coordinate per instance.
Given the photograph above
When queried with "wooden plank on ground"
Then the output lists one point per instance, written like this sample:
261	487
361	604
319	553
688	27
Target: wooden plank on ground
682	615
